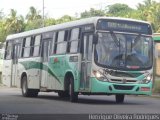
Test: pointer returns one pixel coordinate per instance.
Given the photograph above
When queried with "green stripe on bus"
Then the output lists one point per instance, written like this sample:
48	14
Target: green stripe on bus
37	65
156	38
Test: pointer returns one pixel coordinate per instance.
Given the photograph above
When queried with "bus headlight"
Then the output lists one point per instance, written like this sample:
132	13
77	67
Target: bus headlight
100	76
147	79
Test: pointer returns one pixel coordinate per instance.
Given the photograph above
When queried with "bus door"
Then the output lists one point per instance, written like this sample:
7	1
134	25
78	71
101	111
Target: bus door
87	48
45	59
16	53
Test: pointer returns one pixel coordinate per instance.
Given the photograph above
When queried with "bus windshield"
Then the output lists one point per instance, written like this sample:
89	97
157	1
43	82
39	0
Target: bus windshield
124	51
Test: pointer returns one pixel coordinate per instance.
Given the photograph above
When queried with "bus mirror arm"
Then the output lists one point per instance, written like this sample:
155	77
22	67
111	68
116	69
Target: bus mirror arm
95	39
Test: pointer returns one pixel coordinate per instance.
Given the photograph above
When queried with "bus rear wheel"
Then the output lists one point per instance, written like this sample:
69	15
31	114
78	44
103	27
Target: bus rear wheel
119	98
28	92
73	95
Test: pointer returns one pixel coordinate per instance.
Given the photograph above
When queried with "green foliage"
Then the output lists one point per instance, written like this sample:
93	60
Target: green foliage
34	19
33	14
2	31
118	10
14	23
50	21
65	18
149	11
92	13
34	24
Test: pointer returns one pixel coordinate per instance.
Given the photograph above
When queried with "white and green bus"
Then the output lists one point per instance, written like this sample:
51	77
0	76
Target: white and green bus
93	56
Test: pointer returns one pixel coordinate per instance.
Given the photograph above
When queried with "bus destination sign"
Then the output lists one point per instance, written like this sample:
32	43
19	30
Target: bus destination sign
124	26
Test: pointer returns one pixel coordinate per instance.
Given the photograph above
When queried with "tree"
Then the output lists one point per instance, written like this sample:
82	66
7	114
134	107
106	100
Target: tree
144	8
120	10
33	14
92	12
149	11
65	18
50	21
2	31
34	19
14	23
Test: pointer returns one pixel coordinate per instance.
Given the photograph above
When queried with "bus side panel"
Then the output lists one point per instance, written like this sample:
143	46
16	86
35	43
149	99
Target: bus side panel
51	82
56	66
7	72
32	66
20	70
66	64
74	66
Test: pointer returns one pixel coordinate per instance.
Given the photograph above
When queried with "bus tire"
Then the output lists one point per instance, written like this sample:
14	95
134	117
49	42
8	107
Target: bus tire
28	92
73	95
63	94
119	98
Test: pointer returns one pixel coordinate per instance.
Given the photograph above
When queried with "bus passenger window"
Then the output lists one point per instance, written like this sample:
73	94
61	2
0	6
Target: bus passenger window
37	42
61	36
53	44
26	52
8	52
74	40
61	43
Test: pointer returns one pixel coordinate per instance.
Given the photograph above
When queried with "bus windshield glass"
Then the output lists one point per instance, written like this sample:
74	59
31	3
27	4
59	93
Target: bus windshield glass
124	51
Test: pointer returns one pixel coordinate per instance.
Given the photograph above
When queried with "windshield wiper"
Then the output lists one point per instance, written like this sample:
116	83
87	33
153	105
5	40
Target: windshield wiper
136	40
115	39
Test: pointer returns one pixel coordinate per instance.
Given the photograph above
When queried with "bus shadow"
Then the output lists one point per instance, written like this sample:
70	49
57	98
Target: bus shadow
106	102
53	97
91	101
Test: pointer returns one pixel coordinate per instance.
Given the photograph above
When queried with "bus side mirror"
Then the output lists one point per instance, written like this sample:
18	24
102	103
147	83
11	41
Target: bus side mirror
95	39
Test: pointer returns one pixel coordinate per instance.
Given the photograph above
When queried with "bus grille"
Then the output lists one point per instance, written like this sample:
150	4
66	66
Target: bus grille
125	74
127	81
122	87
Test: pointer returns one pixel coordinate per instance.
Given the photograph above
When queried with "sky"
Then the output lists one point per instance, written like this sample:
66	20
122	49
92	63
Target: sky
58	8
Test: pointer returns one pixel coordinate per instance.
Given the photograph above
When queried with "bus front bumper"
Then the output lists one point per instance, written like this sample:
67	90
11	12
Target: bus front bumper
118	88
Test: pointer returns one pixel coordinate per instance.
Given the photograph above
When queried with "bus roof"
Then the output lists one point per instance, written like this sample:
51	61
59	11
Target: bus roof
92	20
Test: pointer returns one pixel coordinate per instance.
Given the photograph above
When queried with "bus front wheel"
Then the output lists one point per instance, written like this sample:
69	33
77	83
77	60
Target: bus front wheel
73	95
28	92
119	98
